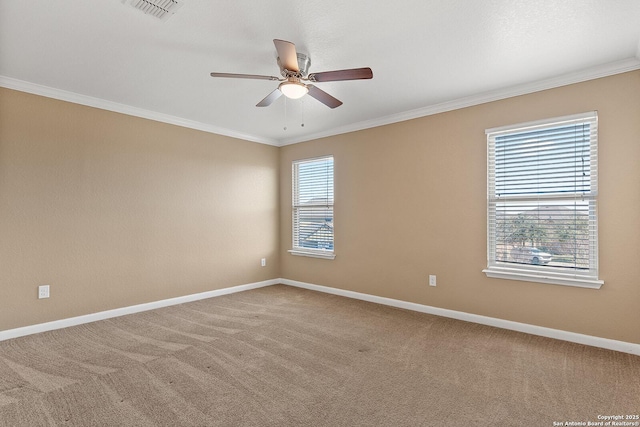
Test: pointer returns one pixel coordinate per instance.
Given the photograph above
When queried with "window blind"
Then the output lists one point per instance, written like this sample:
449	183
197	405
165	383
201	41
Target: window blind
542	199
313	205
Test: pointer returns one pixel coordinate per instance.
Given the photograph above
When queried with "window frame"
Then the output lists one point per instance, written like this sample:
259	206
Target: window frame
539	273
296	206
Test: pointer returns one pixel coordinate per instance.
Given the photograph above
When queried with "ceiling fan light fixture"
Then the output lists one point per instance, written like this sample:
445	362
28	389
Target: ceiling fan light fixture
294	67
293	90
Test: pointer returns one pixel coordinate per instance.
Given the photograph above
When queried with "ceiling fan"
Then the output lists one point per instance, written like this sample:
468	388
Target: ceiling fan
294	68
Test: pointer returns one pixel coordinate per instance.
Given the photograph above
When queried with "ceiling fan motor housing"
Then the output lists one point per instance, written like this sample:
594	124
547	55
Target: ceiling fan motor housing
304	62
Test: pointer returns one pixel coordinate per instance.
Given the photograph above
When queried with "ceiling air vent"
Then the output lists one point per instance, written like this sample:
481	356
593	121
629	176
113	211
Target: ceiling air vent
161	9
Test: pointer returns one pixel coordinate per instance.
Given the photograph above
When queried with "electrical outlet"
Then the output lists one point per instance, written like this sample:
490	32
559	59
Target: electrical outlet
43	291
263	262
432	280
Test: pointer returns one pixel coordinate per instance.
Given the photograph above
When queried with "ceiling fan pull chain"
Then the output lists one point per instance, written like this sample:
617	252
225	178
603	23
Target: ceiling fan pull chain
302	109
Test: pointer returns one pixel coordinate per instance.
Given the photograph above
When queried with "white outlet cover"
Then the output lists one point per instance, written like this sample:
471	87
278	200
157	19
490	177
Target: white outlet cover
43	291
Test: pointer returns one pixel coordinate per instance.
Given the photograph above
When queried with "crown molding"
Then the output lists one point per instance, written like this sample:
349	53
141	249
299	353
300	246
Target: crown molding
89	101
604	70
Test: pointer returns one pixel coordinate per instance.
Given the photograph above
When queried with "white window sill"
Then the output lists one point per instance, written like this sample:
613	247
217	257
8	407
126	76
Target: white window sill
313	254
543	277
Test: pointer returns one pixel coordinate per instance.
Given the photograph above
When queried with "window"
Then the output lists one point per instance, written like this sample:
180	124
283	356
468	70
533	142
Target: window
312	184
542	201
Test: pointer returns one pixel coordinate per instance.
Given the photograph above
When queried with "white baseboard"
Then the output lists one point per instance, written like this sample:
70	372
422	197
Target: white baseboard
79	320
609	344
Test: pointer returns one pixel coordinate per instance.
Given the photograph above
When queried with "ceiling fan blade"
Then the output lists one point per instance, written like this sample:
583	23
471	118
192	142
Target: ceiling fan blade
245	76
287	54
268	100
323	97
334	76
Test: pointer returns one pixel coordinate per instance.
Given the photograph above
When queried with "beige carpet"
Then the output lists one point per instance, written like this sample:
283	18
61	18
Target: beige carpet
281	356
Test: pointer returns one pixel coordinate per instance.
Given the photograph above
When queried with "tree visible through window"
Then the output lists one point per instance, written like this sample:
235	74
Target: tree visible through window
542	201
313	207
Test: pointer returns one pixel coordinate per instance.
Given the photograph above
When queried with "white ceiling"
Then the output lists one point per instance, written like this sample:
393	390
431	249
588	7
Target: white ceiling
426	55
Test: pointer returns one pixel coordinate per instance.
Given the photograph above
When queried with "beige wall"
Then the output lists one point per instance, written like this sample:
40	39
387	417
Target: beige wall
410	200
112	210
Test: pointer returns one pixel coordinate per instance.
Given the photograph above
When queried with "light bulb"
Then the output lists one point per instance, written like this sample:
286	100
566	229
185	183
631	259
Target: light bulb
293	90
